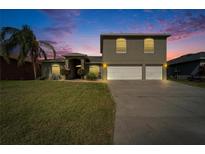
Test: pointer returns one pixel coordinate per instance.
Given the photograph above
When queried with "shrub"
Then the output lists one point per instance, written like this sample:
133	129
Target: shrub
91	76
81	72
55	77
64	71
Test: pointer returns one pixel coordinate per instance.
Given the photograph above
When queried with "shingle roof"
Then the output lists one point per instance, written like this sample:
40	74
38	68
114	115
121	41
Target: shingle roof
95	59
59	60
75	55
188	58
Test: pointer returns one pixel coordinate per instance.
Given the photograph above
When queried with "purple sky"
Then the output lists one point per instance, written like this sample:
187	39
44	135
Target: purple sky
79	30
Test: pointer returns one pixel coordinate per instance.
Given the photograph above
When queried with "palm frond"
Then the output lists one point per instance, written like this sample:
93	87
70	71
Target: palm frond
48	45
4	53
25	49
42	52
7	46
10	43
7	30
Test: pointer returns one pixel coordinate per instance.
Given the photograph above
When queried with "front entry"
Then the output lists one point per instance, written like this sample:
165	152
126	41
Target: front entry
74	65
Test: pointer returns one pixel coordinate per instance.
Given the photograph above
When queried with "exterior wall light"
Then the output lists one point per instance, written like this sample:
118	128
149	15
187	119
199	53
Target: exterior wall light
165	65
104	65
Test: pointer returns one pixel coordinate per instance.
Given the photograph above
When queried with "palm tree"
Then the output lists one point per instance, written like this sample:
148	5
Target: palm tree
25	40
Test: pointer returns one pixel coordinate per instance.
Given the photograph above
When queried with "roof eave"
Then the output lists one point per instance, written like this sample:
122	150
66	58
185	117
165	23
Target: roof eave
135	34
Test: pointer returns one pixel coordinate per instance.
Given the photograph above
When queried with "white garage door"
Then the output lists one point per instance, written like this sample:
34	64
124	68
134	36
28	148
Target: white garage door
124	73
153	72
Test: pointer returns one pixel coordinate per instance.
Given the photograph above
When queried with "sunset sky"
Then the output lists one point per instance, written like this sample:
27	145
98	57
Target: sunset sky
79	30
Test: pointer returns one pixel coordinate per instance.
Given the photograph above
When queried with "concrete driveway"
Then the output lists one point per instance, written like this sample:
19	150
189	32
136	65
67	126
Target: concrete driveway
158	112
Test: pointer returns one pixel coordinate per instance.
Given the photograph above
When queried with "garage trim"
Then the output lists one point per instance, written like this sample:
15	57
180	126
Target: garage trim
153	72
124	72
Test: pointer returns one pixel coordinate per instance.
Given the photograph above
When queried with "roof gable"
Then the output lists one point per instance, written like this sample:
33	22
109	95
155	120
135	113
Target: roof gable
187	58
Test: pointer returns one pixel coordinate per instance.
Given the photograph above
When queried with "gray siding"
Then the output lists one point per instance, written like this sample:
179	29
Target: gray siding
135	52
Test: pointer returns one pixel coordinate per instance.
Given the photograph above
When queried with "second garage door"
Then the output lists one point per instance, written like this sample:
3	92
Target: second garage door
153	72
124	73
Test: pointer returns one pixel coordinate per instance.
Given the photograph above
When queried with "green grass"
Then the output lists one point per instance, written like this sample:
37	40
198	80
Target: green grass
191	83
55	112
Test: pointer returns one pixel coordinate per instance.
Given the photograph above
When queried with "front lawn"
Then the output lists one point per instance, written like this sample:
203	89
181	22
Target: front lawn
55	112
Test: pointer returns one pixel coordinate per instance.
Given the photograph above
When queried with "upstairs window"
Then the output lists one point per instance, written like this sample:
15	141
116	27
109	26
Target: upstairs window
149	45
121	45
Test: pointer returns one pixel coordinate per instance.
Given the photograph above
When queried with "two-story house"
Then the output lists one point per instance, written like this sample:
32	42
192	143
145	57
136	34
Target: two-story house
134	56
125	56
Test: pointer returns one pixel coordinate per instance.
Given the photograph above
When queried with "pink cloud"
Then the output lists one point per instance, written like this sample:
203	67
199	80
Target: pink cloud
175	54
184	46
185	26
86	49
150	27
63	23
61	29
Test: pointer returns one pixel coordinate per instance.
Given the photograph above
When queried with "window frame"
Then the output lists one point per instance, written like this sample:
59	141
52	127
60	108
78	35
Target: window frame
116	46
153	47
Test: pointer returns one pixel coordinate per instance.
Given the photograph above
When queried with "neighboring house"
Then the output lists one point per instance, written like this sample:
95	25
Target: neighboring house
11	70
124	57
187	66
